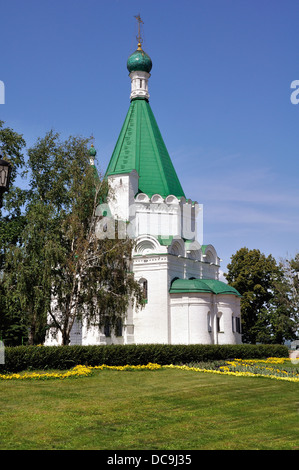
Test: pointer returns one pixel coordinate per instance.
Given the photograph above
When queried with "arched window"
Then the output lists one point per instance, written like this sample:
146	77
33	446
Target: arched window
119	327
107	328
220	323
144	288
238	325
209	322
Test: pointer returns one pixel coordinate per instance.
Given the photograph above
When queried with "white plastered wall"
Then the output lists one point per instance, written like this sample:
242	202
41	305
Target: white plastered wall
151	324
190	314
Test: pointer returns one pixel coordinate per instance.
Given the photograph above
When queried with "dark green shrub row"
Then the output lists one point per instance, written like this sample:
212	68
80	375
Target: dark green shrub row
20	358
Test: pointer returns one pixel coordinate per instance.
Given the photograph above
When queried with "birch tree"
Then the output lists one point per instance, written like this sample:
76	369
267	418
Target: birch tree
62	271
290	293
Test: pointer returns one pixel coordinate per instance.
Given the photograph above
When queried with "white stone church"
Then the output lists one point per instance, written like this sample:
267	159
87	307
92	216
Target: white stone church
185	303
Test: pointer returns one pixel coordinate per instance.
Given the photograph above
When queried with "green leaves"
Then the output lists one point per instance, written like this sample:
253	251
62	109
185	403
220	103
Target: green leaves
54	269
265	308
12	144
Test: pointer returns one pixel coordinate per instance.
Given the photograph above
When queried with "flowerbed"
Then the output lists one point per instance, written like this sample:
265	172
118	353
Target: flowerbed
78	371
278	368
273	367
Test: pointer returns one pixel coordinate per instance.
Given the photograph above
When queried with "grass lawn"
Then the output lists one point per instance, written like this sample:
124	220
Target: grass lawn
150	410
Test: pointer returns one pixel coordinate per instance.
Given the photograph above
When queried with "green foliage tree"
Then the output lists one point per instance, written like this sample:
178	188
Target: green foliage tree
289	291
61	270
266	317
12	223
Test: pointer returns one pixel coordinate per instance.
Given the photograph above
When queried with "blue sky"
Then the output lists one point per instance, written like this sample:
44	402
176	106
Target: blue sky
220	92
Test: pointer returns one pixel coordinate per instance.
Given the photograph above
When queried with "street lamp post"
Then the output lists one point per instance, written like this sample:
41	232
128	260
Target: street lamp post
5	172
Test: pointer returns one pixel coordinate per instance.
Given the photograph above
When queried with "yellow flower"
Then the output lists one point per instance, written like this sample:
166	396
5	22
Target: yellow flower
232	368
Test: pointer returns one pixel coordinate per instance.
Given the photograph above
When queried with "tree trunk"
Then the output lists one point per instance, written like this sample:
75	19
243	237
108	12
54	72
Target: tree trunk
31	334
65	338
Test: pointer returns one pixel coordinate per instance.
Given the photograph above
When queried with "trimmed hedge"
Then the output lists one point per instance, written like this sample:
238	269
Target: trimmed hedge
20	358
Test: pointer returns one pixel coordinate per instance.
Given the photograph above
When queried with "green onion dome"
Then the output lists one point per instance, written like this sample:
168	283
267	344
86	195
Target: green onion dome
92	151
139	61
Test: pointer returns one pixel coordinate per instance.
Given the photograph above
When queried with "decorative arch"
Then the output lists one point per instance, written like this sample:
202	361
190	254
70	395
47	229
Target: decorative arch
145	245
171	199
157	198
142	197
177	248
209	258
209	254
194	254
193	249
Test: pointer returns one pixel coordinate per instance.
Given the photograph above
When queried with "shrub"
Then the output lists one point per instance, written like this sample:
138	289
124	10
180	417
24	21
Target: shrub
20	358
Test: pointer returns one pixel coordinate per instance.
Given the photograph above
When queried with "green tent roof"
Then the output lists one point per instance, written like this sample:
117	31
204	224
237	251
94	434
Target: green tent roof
202	285
140	147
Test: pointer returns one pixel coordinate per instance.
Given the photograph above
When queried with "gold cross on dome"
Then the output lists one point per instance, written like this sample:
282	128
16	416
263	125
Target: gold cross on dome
139	39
